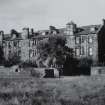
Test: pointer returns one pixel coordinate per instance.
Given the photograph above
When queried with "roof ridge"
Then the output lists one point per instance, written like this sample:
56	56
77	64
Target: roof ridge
91	25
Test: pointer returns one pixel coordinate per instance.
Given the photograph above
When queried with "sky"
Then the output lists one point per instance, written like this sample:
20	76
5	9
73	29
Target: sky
40	14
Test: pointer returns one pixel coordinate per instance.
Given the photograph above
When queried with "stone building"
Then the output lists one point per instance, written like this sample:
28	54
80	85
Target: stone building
86	41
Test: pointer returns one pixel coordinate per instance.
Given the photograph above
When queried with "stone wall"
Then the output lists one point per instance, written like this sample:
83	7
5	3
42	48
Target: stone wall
97	70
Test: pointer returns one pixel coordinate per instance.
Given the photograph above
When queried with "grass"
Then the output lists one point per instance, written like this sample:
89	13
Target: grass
59	91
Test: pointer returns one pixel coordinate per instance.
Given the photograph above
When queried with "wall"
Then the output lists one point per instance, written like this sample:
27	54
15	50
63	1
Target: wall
71	43
97	70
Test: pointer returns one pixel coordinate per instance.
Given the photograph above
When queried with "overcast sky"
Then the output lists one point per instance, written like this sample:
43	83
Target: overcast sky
39	14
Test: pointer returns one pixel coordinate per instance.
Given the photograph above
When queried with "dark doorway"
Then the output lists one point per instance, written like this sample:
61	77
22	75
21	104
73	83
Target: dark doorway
84	70
49	73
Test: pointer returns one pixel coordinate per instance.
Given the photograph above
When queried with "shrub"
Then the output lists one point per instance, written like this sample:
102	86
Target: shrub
28	64
36	73
14	60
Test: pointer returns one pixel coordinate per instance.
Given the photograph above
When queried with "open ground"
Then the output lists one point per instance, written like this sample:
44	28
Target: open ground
79	90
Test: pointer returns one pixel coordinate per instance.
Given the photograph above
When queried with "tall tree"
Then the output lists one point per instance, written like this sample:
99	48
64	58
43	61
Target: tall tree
54	51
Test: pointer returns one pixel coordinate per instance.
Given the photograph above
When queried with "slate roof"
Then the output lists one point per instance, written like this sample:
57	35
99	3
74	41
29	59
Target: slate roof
90	29
83	30
8	37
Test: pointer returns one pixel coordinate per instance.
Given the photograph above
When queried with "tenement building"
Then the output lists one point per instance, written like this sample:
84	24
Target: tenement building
86	41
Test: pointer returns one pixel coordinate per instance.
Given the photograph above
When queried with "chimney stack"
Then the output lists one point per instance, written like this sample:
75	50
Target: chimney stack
104	22
25	33
1	36
32	31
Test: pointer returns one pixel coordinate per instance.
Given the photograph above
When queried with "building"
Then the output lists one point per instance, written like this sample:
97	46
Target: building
86	41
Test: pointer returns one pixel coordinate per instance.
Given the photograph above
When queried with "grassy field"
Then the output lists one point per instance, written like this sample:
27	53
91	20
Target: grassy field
59	91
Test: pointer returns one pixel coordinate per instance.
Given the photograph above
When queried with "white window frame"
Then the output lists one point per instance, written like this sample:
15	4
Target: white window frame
31	53
77	51
92	29
77	40
90	39
90	51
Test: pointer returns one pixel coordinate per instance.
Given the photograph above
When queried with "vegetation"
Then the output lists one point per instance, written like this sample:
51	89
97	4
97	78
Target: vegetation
84	66
1	55
28	64
12	60
71	66
63	91
54	51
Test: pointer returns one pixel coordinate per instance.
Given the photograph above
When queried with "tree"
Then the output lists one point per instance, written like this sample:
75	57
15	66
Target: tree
1	55
14	59
85	66
54	51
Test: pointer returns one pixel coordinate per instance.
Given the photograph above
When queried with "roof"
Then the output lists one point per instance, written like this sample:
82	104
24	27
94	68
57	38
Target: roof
90	29
83	30
46	36
8	37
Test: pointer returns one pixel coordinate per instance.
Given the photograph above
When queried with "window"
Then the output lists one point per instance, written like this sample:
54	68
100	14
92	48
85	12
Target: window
83	39
34	52
82	51
92	29
54	32
77	51
19	53
19	43
9	53
43	33
90	39
31	53
77	40
9	44
30	43
71	32
90	51
68	32
15	43
4	44
34	42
